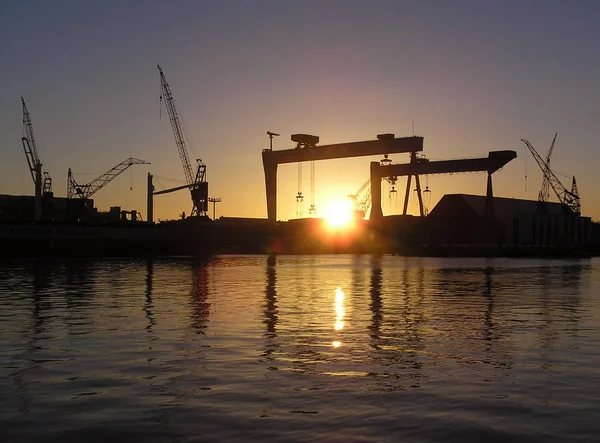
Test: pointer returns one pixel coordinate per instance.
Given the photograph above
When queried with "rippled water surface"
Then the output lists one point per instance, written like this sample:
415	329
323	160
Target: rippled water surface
311	348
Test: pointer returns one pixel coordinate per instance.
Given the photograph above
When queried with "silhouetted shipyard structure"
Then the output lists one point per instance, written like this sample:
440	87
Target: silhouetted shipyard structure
466	220
460	224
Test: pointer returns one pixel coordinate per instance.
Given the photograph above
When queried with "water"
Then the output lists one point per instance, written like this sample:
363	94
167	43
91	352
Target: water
315	348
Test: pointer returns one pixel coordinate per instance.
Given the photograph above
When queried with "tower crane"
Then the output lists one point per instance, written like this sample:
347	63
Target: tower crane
544	194
196	183
569	198
33	160
84	191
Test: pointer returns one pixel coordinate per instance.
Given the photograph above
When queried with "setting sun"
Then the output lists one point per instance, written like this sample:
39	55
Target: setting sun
339	213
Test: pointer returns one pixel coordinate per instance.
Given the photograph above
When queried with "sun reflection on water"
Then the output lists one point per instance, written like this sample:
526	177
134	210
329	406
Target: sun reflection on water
339	309
339	313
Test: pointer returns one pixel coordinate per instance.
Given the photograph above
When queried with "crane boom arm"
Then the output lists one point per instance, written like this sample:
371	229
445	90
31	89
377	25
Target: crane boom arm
28	141
362	199
177	131
544	194
87	190
568	198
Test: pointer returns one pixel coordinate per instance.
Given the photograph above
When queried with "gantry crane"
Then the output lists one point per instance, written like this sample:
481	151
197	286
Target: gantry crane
493	162
569	198
28	140
307	149
197	183
85	191
544	194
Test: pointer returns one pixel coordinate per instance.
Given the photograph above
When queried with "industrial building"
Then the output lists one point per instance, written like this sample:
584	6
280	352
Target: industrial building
462	219
22	208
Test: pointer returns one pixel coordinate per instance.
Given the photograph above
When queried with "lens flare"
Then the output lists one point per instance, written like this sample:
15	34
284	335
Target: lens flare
339	214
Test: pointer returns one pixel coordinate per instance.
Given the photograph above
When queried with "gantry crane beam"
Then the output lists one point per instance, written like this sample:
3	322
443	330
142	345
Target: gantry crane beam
344	150
490	164
569	198
84	191
385	144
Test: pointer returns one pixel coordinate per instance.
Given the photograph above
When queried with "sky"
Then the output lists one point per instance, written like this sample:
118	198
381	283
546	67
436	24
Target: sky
468	76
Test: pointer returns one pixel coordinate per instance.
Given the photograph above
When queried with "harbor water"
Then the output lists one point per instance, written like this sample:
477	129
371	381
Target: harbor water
300	349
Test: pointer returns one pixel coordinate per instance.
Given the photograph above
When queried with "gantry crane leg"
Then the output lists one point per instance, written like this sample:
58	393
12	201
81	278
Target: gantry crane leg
489	198
419	195
407	194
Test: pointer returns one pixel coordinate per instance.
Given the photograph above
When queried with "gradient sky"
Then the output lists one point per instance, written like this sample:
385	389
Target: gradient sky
474	76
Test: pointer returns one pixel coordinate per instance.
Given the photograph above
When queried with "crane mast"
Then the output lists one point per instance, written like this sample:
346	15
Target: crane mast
84	191
569	198
196	183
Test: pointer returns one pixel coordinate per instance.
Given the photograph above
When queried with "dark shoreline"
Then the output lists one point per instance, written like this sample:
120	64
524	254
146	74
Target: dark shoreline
248	237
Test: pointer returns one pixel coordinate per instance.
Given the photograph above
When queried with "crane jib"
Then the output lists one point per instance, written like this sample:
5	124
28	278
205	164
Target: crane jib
197	183
86	190
571	198
177	131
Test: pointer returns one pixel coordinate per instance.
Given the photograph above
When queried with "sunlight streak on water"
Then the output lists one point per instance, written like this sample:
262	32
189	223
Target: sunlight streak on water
339	309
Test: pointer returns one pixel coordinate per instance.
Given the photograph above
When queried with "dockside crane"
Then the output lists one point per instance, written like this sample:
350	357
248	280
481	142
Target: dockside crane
568	198
361	200
544	194
86	190
33	161
196	183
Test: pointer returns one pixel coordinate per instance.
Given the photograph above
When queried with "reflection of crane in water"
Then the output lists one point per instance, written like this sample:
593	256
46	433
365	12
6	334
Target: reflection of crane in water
376	303
28	359
412	313
559	298
149	304
199	296
489	296
401	338
271	297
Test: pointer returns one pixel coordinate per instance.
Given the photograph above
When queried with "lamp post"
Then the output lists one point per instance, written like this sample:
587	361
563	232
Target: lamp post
214	201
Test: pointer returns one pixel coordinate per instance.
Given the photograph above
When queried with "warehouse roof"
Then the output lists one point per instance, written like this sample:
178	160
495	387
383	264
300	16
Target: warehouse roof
503	207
